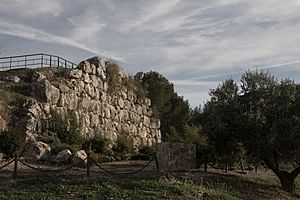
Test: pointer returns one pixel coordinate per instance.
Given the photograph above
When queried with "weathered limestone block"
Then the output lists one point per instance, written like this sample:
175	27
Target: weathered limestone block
94	80
127	105
145	111
124	94
37	151
121	103
63	156
113	111
130	95
135	118
62	100
63	88
13	79
72	101
94	120
85	103
79	159
86	67
38	76
110	126
89	90
147	102
142	132
46	108
75	73
147	122
31	124
87	120
139	110
155	124
93	69
86	78
176	156
51	92
107	112
105	86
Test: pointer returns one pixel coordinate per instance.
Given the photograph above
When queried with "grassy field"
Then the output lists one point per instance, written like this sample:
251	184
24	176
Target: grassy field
148	184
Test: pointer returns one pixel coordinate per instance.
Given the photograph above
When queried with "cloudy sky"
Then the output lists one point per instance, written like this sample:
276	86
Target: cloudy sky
194	43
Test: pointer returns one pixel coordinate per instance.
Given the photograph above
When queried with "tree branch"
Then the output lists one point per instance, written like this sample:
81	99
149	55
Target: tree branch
296	171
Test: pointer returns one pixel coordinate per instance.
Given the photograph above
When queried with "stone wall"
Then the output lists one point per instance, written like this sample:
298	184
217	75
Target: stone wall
104	101
176	156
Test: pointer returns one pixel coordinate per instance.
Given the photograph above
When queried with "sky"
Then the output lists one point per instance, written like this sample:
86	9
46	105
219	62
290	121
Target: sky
196	44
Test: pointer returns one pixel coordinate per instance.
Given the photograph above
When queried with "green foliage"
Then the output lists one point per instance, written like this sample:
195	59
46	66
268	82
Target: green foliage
145	153
261	116
11	142
123	147
96	145
135	86
68	134
172	110
221	122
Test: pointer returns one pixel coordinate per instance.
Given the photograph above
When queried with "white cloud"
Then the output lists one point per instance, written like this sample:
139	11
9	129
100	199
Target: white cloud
187	41
151	11
22	31
31	7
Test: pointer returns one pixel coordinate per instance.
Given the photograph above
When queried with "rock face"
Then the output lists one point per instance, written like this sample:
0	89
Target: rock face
37	151
63	156
176	156
103	99
79	159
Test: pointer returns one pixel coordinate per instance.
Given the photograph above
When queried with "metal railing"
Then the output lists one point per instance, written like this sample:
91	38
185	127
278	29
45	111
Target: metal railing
34	61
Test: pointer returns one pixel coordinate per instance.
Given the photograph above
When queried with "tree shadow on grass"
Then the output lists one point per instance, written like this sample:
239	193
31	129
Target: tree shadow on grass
244	187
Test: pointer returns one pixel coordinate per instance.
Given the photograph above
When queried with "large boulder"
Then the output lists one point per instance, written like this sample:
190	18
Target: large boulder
13	79
79	159
63	156
75	73
37	151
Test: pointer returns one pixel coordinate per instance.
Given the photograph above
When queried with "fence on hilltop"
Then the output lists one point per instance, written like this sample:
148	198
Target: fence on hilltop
34	61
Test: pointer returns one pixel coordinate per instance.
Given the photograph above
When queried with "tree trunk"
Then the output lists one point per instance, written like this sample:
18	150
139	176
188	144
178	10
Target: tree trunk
287	182
287	179
226	168
242	165
205	166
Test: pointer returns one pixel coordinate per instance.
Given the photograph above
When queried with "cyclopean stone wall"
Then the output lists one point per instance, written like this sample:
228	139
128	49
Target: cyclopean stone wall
104	101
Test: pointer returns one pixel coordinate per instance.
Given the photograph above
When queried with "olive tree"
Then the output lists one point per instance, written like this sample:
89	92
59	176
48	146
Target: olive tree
261	114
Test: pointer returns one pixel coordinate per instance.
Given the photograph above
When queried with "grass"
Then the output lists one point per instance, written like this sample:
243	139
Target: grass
146	185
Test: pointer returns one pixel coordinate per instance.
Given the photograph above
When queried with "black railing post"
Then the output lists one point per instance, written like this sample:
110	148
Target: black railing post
57	61
65	63
156	162
42	60
88	163
50	61
15	167
25	61
10	61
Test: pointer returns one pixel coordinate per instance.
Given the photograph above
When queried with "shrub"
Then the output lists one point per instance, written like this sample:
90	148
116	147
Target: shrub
67	134
145	153
11	142
96	145
123	148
